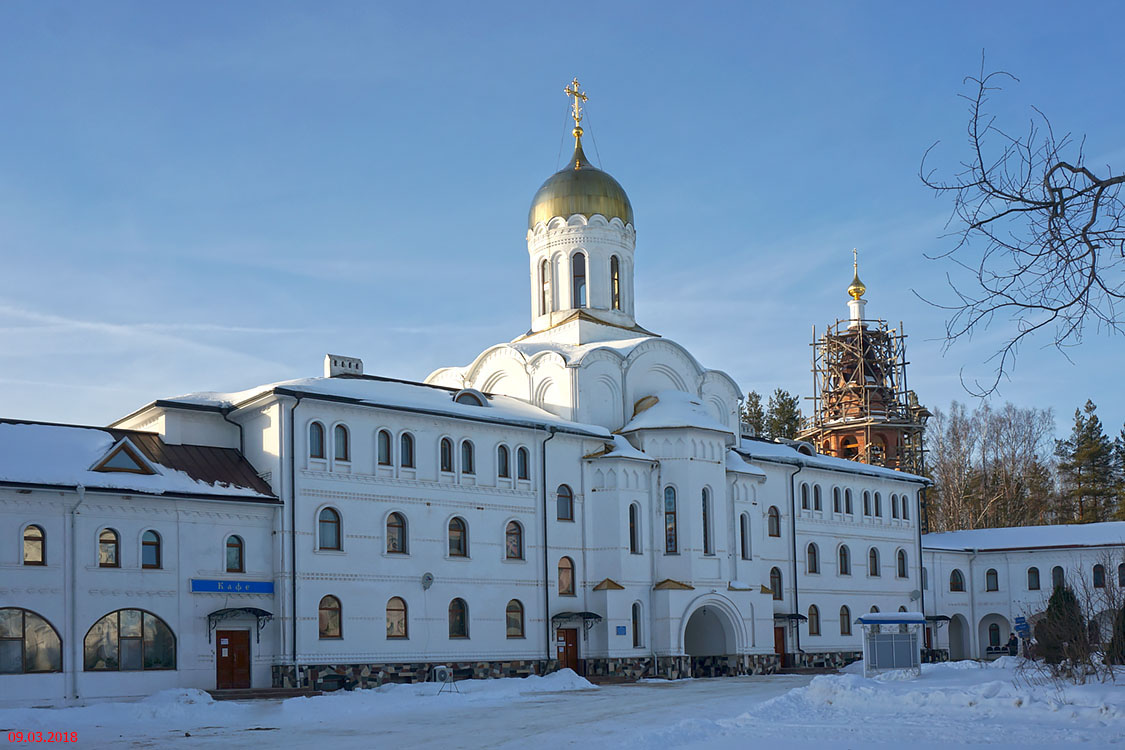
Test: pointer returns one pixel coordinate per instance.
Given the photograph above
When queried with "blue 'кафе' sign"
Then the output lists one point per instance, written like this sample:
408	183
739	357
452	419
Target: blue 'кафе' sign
208	586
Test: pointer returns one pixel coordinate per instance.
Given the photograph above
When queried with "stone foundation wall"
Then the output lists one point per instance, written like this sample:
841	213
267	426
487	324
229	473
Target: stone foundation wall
364	676
824	659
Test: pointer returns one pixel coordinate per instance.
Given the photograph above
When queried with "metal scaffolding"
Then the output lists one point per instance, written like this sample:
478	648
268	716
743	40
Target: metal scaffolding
862	408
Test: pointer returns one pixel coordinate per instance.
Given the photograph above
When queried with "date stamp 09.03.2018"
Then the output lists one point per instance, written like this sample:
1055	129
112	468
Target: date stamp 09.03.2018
15	736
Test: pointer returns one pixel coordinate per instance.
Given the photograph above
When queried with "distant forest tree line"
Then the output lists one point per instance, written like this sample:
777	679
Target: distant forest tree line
997	466
1003	467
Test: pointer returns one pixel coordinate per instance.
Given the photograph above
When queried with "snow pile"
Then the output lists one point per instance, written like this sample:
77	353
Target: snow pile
967	689
188	708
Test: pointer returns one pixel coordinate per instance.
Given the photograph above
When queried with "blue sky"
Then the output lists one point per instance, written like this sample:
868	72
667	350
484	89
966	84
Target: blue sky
207	196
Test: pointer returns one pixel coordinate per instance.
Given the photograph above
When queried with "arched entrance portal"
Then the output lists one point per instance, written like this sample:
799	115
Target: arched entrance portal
708	639
992	633
958	638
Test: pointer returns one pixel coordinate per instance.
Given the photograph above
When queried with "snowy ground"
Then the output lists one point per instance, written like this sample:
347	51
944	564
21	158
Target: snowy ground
960	704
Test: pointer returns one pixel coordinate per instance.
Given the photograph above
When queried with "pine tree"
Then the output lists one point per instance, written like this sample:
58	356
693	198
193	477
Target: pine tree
1115	654
1086	470
1119	451
1062	632
783	416
752	413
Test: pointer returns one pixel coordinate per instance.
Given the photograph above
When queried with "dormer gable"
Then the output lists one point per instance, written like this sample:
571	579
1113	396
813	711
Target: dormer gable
124	457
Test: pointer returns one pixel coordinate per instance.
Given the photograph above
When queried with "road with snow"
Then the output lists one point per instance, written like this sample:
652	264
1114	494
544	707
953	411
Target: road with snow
963	704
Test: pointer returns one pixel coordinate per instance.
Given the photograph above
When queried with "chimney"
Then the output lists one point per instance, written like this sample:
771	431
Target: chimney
336	365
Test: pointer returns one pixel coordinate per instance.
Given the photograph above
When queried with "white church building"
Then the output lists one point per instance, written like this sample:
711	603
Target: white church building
580	496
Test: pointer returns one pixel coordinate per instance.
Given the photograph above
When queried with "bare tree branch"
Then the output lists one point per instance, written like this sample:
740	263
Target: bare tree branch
1041	233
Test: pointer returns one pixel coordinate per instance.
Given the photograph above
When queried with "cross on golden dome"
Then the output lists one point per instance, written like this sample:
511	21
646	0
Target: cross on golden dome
856	289
573	91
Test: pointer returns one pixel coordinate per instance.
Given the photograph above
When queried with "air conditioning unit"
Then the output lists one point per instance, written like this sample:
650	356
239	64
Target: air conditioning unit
441	673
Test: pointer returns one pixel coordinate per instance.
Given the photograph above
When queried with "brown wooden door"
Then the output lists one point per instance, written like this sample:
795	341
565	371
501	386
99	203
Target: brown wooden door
232	662
779	645
567	641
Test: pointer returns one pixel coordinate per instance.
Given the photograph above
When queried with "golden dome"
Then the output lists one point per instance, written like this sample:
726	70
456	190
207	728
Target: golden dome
856	288
579	188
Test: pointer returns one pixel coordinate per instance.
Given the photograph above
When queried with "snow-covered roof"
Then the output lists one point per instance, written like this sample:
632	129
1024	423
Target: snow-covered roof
622	448
738	464
767	450
675	409
35	453
395	394
1025	537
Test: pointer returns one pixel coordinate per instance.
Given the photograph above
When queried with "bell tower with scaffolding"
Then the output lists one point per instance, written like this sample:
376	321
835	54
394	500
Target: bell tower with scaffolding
862	408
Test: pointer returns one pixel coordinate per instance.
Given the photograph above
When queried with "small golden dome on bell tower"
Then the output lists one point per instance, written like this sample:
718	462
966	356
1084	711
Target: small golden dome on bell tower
856	290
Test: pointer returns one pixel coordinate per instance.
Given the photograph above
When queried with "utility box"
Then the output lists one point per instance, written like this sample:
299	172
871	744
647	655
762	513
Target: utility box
892	640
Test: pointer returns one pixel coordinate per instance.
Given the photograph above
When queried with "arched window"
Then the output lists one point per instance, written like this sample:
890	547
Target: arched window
578	281
849	448
845	621
615	282
458	538
925	579
866	503
328	525
991	580
523	464
446	454
845	560
503	465
467	464
638	640
994	635
836	508
744	535
635	529
1099	576
34	546
905	509
812	559
108	549
816	505
316	440
384	448
878	505
28	643
670	542
873	562
397	623
129	640
396	533
544	287
1121	575
1033	579
804	496
564	503
775	583
513	616
513	541
894	506
566	577
236	561
814	620
458	619
340	440
406	451
773	521
1058	578
708	546
331	618
848	502
956	581
901	564
150	549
